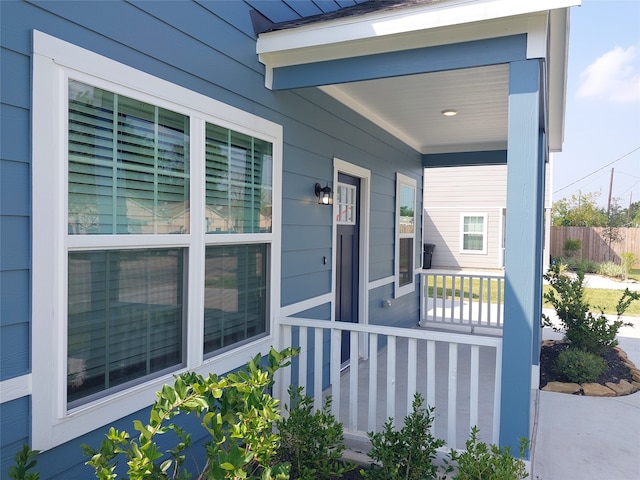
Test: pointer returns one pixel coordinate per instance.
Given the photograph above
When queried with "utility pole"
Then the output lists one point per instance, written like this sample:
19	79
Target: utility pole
610	188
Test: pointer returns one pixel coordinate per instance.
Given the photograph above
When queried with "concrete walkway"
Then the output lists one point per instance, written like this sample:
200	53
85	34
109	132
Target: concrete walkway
589	437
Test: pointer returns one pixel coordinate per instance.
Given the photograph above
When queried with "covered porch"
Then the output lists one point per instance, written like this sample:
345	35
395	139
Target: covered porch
438	76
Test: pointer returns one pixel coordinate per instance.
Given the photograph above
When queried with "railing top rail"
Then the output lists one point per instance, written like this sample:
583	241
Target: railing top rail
420	334
462	273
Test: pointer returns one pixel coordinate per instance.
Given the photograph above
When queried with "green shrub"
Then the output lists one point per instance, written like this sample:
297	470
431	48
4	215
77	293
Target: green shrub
311	442
579	366
610	269
571	247
587	266
480	461
407	453
236	410
628	260
25	460
583	329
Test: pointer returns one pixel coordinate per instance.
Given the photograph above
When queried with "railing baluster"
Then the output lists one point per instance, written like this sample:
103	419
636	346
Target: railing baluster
500	286
317	367
496	394
489	283
480	297
336	339
373	381
444	296
412	371
284	374
353	381
473	391
302	357
391	376
452	394
431	373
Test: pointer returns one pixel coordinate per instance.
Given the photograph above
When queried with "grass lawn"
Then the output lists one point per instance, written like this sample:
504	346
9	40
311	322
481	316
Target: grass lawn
605	299
635	274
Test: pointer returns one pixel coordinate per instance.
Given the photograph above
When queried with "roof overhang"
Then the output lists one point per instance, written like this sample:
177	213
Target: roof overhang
544	22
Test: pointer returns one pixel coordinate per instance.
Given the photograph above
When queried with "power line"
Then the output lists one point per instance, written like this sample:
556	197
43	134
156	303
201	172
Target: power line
596	171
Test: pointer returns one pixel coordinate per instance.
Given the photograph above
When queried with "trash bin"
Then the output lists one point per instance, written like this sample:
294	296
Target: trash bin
427	254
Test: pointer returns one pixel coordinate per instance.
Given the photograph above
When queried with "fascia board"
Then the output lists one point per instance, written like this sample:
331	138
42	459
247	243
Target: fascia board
385	24
558	71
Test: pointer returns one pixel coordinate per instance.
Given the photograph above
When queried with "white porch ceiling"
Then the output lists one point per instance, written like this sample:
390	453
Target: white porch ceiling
410	107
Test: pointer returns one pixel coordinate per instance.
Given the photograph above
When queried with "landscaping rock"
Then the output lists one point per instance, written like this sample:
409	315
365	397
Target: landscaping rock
561	387
597	390
622	388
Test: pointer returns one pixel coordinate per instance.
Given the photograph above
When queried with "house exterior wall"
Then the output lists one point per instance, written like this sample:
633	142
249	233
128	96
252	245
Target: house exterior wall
208	48
452	192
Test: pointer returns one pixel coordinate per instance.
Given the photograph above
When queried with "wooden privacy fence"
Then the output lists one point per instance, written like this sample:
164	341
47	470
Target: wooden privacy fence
595	245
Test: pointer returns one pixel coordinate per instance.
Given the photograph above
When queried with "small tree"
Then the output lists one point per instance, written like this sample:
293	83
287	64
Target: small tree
571	247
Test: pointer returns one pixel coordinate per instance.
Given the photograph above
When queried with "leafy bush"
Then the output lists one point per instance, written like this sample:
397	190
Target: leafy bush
480	461
312	442
610	269
407	453
571	247
236	410
25	460
579	366
583	329
586	266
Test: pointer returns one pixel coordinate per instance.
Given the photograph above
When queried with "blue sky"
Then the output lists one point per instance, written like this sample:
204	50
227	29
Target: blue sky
602	122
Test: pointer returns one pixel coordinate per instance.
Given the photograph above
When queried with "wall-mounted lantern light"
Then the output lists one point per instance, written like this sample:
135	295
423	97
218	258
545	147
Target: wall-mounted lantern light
323	194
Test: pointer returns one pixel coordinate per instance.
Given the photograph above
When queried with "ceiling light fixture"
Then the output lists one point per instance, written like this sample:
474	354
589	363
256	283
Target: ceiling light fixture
449	113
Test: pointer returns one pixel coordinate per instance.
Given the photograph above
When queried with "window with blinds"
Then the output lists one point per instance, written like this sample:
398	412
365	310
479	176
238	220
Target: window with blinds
125	318
129	173
238	182
128	165
235	294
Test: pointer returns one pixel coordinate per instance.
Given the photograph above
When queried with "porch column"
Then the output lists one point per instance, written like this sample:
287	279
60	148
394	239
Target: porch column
523	252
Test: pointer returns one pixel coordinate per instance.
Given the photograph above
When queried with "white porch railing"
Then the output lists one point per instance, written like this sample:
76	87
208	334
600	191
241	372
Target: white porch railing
458	374
460	299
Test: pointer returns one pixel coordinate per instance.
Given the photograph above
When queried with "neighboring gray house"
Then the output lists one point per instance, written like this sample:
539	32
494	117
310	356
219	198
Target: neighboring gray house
465	209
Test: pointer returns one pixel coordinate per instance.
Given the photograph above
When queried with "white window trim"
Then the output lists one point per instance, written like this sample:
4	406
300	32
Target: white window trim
54	61
403	180
484	233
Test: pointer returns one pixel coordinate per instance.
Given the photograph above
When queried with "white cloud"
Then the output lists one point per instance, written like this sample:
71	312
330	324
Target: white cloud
613	76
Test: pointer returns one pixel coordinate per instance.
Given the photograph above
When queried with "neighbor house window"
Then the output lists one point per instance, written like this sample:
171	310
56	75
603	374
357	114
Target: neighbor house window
405	234
153	237
473	233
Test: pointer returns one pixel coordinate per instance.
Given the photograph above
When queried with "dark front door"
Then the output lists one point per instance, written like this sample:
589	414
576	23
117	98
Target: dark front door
347	196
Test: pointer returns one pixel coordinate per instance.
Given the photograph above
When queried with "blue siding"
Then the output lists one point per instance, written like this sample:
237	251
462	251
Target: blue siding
208	47
14	299
14	430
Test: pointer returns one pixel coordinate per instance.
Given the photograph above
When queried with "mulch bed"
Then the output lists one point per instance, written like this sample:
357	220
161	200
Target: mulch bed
616	368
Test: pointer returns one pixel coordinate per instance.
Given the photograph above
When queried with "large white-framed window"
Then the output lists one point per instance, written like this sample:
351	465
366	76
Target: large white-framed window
405	235
473	233
156	237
